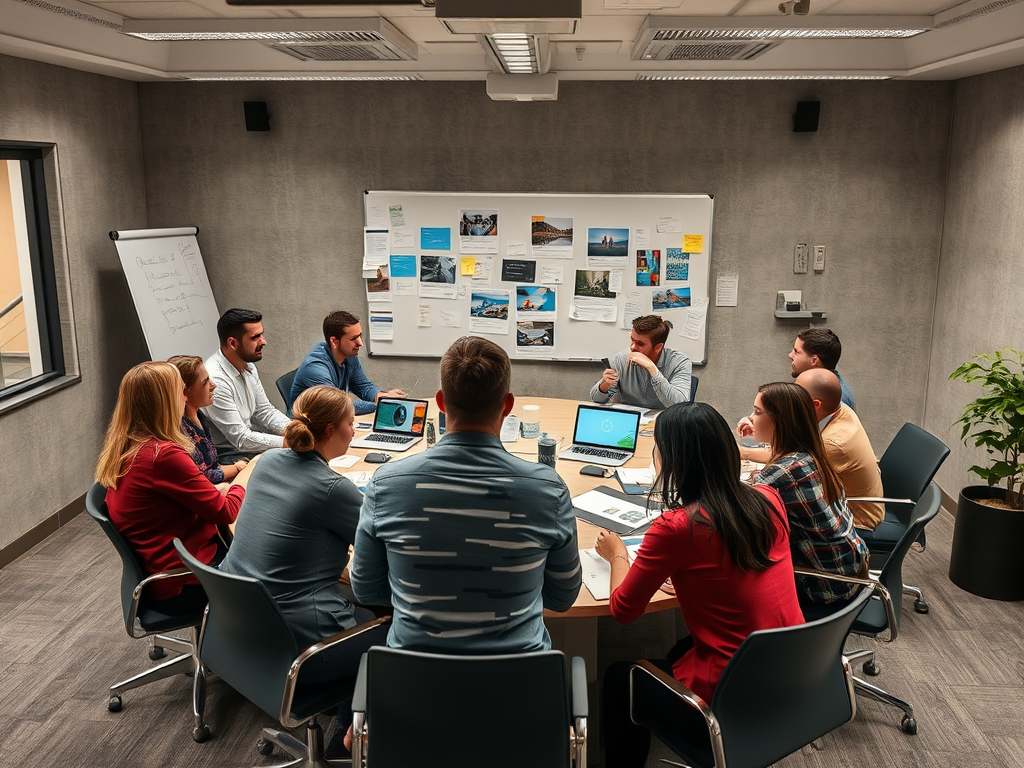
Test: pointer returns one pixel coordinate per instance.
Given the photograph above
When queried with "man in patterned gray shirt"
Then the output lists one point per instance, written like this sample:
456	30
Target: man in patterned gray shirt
468	543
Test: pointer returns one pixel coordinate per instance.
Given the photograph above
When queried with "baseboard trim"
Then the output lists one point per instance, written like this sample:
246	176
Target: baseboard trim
40	532
948	502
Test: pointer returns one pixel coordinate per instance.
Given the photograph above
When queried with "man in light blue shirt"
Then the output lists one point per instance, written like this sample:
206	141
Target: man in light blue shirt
334	362
468	543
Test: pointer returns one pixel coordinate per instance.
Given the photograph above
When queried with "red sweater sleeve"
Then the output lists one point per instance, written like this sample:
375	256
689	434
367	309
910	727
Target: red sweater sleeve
657	559
177	477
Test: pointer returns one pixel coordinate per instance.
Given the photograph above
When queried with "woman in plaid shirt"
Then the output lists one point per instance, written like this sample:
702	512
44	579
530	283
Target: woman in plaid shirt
822	535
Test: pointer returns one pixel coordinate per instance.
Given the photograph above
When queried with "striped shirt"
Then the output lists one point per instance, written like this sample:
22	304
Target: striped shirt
469	544
821	535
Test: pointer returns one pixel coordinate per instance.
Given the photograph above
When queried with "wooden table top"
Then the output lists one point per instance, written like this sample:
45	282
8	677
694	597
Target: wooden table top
557	418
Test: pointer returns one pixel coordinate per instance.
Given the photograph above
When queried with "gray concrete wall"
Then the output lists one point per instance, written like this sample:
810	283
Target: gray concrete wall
981	271
280	213
48	448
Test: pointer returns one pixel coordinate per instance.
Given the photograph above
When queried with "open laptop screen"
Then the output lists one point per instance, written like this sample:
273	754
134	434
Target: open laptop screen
405	417
606	427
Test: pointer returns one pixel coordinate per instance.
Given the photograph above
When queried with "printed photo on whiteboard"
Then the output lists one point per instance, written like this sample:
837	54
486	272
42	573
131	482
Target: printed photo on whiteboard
677	264
605	241
518	271
592	298
593	282
648	267
379	288
478	231
551	237
376	245
396	215
488	311
437	277
671	298
536	301
535	338
403	266
435	239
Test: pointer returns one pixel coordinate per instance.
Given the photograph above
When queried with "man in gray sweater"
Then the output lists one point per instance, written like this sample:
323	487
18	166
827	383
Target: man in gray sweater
647	374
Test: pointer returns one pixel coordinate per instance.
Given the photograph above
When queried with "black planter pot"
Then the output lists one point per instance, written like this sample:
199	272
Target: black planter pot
988	546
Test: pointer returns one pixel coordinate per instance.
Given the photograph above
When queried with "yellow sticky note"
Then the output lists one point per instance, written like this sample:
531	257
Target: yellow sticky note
693	243
468	265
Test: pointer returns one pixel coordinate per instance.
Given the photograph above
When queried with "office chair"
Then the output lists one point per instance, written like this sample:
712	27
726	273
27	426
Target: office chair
907	467
782	689
442	711
694	381
141	619
247	642
284	386
883	611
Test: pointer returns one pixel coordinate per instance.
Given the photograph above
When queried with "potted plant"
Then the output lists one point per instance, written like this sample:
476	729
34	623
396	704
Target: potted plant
989	531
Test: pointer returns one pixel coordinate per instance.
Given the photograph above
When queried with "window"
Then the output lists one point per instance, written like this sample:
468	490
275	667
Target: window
31	349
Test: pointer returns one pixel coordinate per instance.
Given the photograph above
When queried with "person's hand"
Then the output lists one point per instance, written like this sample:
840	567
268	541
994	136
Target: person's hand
609	546
608	380
639	358
223	488
389	393
347	741
240	465
745	427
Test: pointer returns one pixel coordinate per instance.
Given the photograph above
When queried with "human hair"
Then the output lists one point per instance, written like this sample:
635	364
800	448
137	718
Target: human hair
336	323
147	409
700	464
232	323
313	412
796	430
823	343
654	326
188	367
475	377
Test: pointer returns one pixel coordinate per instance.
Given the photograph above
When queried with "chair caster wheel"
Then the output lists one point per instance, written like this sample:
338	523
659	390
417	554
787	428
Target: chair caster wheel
920	606
201	734
114	705
909	725
871	668
157	652
264	747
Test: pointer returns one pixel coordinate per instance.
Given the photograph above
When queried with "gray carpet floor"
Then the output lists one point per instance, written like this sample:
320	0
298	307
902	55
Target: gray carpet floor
62	644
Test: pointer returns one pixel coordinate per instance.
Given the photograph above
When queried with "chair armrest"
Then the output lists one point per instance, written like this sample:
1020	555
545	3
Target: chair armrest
881	499
141	587
871	583
579	687
366	632
359	694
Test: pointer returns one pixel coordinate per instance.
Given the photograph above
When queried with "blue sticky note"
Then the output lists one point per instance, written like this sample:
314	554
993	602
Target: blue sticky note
436	238
403	266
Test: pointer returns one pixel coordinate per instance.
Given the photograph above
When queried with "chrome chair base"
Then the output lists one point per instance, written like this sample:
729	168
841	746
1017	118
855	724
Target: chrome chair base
308	755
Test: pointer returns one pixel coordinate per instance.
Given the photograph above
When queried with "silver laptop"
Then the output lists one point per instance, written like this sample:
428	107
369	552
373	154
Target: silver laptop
603	435
398	425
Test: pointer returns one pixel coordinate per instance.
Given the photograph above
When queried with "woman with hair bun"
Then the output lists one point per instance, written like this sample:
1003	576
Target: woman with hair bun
296	525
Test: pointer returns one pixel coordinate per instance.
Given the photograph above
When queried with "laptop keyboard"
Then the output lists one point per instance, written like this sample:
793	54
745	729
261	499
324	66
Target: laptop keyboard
380	437
600	452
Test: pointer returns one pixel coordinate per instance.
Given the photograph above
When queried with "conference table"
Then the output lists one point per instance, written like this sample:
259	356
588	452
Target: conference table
574	631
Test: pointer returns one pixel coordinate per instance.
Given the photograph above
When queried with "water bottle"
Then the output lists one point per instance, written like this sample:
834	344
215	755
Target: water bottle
546	453
431	434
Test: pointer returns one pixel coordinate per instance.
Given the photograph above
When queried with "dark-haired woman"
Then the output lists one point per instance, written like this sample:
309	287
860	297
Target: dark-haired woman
725	547
822	535
297	522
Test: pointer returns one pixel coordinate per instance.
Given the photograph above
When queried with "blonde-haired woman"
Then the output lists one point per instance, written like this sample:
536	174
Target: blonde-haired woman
155	492
297	522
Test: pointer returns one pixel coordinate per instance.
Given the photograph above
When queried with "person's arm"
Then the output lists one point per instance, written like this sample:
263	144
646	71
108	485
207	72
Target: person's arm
674	385
608	385
657	559
359	384
563	575
176	476
224	414
266	416
344	501
368	571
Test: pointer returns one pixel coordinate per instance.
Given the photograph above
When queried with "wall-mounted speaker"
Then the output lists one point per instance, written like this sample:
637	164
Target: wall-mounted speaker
805	119
258	119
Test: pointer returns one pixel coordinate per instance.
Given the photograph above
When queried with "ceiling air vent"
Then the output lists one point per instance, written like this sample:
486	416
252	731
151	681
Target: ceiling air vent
708	51
344	46
971	10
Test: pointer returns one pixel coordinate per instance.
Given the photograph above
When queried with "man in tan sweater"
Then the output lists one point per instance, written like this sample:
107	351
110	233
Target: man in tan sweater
846	445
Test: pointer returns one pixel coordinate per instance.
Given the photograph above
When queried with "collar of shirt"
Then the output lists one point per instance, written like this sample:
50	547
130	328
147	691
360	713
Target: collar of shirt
824	422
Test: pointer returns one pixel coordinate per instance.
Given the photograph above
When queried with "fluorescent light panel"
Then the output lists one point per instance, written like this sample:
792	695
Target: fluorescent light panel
787	34
517	52
304	77
762	77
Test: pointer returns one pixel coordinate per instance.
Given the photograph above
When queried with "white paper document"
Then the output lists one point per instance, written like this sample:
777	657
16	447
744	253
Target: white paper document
449	318
597	573
670	224
403	286
631	310
515	249
642	237
693	321
375	248
382	326
616	510
425	316
615	282
727	290
403	240
377	216
551	275
483	272
593	309
396	215
343	462
607	262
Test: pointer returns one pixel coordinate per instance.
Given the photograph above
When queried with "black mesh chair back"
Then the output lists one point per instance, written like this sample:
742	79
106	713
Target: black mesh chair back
694	381
442	711
873	620
908	466
782	689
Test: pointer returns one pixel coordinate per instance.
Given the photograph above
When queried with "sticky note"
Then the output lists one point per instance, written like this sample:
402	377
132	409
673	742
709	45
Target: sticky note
468	266
693	243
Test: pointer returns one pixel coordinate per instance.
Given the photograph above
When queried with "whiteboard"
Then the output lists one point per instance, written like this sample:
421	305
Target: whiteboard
168	282
424	318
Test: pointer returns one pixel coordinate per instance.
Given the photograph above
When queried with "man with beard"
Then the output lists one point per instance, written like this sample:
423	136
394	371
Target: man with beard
819	348
244	423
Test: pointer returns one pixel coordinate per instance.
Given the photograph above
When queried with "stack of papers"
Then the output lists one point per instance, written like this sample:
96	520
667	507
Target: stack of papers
597	573
604	508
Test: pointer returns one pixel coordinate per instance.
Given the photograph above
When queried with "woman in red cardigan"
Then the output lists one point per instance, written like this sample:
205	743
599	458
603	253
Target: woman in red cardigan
155	492
725	547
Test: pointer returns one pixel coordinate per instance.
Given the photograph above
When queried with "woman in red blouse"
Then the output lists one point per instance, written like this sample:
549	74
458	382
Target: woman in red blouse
155	492
725	548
